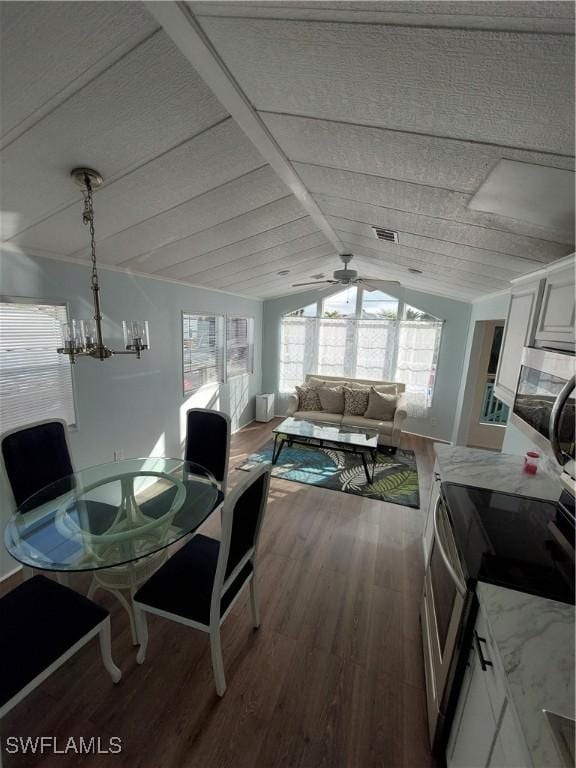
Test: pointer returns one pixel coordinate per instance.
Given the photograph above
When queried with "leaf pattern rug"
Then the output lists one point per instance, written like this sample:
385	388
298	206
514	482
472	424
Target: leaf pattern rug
395	478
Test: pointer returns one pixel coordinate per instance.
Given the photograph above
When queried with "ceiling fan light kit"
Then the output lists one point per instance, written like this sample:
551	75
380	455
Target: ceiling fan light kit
83	338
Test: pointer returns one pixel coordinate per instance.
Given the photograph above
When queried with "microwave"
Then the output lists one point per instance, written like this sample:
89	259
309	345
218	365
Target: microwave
545	403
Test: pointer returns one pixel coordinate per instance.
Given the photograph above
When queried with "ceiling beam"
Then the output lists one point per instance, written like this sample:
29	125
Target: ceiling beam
179	23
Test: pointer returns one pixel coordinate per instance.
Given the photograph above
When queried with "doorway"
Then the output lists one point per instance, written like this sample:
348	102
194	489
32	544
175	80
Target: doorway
488	416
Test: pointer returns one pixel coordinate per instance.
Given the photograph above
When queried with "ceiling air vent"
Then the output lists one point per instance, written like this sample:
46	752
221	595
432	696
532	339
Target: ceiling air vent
386	234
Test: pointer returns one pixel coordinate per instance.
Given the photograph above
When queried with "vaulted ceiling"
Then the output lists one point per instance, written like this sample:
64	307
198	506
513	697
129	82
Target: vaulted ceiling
239	140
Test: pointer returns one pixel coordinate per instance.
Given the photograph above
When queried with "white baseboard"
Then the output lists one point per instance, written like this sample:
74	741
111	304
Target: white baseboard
428	437
13	572
244	425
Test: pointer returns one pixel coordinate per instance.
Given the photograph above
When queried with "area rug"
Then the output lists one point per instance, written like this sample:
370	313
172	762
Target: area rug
395	477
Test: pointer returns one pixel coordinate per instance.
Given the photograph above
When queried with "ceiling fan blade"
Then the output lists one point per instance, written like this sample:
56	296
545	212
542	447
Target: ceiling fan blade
373	284
315	282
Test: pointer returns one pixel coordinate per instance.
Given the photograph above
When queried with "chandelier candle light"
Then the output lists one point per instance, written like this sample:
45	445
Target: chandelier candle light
83	338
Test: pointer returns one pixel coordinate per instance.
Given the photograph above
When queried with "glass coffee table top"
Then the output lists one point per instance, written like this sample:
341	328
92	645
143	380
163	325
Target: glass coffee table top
111	514
327	432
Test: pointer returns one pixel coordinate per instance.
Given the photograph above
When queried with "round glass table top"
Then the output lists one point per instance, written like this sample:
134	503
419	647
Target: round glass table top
111	514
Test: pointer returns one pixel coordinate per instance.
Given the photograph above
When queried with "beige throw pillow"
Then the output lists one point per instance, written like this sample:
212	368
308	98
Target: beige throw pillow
388	389
331	399
355	401
381	406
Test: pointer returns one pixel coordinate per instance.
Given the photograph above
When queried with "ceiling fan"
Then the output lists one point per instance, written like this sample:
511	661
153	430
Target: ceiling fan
350	277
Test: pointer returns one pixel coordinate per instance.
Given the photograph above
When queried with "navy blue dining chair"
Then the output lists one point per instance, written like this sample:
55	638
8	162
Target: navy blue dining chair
35	456
199	585
43	625
208	442
38	465
37	462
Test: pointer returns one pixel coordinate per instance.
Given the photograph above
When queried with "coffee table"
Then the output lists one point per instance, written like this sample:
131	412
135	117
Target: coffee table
357	440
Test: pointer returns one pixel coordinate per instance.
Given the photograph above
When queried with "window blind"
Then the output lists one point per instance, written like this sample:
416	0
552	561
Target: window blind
35	381
240	345
202	350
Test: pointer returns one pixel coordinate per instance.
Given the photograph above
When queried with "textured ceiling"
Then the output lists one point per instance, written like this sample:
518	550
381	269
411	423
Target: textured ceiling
389	113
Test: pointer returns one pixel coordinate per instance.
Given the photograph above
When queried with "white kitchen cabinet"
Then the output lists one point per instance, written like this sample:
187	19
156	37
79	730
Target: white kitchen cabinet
474	728
484	731
508	750
557	312
429	527
519	332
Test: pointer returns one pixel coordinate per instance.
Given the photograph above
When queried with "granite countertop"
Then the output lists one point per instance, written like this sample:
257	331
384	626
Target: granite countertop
535	640
494	470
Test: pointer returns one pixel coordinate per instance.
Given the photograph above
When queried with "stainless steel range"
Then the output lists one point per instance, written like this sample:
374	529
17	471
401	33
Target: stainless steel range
482	535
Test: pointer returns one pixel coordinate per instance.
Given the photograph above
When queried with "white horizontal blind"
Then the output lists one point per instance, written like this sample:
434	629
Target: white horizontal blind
240	345
35	381
202	350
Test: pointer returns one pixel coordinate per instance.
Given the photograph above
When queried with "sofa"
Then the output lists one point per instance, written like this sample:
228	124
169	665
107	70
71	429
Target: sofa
389	432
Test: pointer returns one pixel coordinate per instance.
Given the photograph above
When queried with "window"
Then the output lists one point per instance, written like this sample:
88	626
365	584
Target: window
35	381
310	311
239	345
366	335
342	304
202	350
379	306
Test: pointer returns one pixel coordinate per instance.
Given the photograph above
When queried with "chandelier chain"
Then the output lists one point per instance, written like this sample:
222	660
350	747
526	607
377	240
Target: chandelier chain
88	218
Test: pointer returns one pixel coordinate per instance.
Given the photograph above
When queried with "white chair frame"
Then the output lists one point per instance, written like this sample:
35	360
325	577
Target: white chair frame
220	584
103	631
27	570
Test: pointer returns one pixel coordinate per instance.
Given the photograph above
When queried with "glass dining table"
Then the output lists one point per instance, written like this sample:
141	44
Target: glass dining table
114	520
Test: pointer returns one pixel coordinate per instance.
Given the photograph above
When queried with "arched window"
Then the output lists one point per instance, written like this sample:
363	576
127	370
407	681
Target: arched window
366	335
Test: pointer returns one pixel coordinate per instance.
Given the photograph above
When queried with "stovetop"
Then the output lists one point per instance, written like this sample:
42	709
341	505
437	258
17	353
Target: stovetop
513	541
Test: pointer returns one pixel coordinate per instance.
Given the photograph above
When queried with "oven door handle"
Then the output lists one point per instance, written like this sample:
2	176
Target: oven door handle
455	578
555	414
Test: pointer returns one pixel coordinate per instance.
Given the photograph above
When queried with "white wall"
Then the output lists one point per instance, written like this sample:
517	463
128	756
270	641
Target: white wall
136	406
456	314
492	308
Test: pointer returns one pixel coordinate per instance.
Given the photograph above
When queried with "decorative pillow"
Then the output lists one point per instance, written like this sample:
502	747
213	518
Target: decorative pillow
355	401
381	406
389	389
386	389
331	399
308	399
357	385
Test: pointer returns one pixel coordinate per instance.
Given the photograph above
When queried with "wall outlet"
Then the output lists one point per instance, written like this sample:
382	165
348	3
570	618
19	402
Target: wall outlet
118	454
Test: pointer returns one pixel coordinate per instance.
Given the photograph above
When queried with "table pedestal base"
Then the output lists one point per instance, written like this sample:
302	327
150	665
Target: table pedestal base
127	578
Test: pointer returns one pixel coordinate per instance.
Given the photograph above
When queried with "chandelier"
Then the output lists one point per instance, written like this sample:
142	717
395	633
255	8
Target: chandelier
83	338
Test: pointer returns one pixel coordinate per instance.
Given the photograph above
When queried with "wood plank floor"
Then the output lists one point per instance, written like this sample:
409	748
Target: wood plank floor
333	678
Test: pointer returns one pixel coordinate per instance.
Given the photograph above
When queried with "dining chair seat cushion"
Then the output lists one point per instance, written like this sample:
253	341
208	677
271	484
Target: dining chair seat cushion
183	585
40	620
